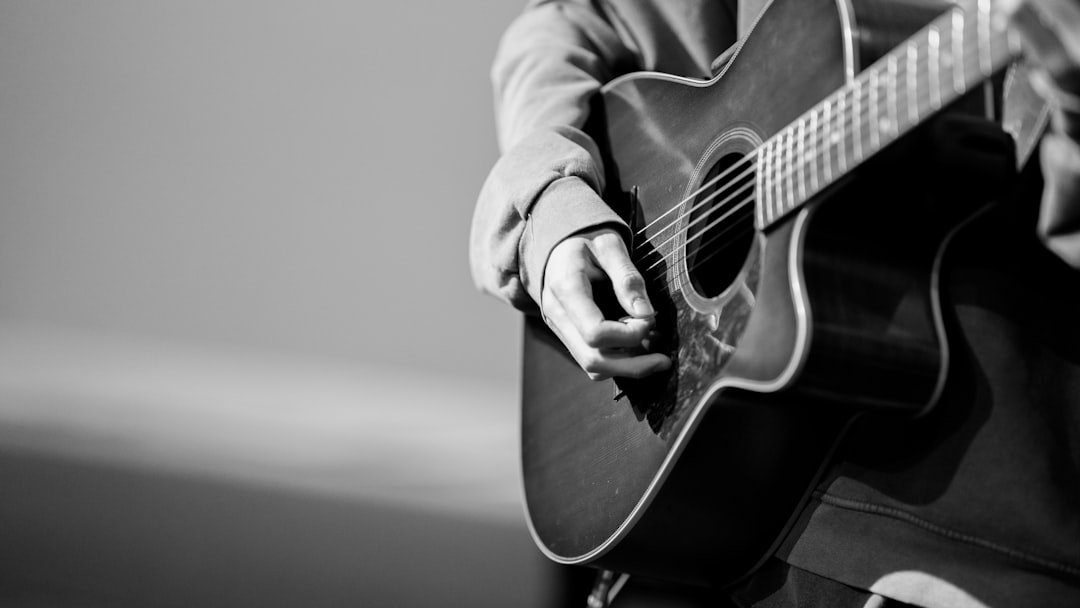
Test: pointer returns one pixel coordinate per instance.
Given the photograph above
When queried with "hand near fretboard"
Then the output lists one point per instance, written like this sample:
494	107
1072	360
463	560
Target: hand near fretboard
1051	34
1050	30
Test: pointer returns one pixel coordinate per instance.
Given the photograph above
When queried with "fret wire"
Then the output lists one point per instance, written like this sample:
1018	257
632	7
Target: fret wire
856	111
829	137
910	69
982	17
778	182
890	97
790	149
779	201
874	91
781	174
932	42
759	186
802	163
774	172
873	76
875	124
841	134
959	77
814	157
763	176
891	64
769	179
996	51
922	103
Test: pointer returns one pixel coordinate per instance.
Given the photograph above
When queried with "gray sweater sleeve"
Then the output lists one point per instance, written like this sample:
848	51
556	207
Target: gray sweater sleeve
546	184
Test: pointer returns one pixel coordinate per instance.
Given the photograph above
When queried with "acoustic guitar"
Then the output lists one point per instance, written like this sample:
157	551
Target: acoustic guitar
786	218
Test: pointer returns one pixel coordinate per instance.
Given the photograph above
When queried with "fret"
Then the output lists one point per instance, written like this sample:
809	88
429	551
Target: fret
775	172
802	161
875	125
826	139
890	94
856	118
912	84
780	169
759	186
817	152
789	170
959	77
933	59
778	175
840	135
766	194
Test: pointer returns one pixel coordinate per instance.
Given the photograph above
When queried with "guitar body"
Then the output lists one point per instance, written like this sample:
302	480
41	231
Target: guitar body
777	344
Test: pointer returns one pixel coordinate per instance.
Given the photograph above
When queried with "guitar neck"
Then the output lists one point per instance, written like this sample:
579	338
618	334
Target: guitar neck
956	52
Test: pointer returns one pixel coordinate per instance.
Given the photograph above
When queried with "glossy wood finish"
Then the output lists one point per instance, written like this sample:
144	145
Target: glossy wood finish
694	475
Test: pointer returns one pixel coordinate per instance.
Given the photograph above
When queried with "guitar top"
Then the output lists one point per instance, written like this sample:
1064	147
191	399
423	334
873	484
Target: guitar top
788	303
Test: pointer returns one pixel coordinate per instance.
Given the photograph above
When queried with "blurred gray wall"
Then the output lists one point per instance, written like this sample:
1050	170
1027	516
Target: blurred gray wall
268	173
243	360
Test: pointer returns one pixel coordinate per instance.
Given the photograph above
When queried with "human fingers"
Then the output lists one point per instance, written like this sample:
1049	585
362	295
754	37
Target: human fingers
1051	33
626	280
602	348
570	302
603	363
616	365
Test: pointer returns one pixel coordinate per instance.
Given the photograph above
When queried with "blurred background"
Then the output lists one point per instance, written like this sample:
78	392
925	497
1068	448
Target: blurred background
242	362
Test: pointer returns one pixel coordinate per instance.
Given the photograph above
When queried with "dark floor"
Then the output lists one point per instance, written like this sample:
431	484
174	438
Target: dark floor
80	535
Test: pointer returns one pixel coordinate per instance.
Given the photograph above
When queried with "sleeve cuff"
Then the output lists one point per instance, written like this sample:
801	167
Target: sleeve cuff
567	206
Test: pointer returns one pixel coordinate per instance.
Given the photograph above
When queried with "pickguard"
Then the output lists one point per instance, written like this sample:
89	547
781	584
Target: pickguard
700	335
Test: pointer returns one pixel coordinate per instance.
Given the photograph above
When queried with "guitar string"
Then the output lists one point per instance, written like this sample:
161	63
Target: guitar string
862	92
745	227
749	157
698	205
732	196
806	157
807	163
899	98
950	15
981	73
715	235
865	75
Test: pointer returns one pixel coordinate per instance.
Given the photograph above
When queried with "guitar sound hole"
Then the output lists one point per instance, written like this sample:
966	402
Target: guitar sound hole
721	228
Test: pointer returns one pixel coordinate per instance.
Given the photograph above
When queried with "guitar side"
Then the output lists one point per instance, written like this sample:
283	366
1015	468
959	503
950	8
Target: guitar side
694	476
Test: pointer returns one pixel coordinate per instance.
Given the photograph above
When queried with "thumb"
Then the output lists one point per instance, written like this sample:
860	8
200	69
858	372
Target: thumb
626	280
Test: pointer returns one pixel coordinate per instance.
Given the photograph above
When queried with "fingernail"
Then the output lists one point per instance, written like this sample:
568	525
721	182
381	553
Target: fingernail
642	308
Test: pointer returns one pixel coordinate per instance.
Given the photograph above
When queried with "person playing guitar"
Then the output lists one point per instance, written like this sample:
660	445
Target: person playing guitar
966	494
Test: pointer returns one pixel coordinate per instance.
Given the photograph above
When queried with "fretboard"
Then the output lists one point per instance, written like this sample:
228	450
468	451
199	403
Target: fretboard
956	52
